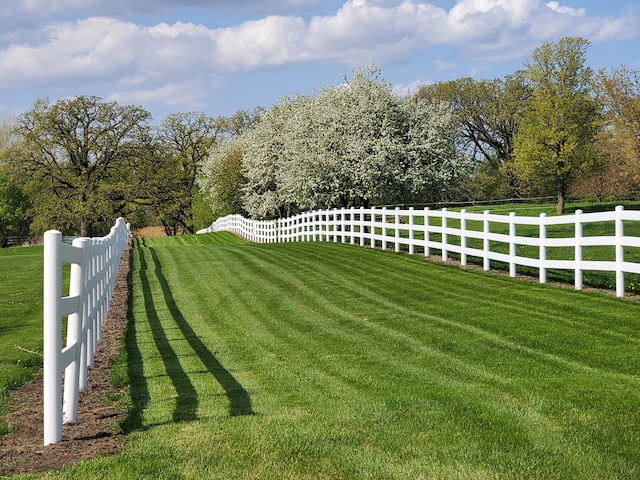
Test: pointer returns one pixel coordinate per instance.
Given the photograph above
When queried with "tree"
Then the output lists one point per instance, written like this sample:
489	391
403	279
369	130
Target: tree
488	113
350	145
555	142
263	160
222	179
186	139
73	153
14	202
432	166
619	94
14	206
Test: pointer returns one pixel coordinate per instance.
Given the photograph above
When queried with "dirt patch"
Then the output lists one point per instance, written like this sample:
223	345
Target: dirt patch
149	232
97	432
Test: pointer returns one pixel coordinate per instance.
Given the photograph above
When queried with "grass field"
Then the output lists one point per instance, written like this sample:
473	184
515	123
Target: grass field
20	317
597	279
318	360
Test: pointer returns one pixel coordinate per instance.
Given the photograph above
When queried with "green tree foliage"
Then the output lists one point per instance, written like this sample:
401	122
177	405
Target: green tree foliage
14	202
74	154
350	145
555	142
222	180
185	140
14	207
487	113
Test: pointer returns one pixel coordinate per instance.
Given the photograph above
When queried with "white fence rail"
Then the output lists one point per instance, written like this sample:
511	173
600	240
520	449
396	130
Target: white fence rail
94	265
545	243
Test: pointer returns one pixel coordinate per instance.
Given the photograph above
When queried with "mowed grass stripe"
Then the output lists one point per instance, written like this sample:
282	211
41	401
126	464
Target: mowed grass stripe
520	326
315	360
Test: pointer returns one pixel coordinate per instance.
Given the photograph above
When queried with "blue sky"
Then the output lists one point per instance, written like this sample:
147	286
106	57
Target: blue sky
218	57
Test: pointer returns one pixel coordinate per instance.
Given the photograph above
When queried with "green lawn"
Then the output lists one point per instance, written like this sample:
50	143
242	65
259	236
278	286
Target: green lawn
315	360
597	279
20	316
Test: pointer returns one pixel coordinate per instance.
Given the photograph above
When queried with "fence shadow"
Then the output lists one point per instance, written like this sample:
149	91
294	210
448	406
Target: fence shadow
187	396
187	400
239	400
138	382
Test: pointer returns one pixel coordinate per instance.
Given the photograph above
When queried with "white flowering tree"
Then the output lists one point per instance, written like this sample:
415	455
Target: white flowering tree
264	162
355	144
432	164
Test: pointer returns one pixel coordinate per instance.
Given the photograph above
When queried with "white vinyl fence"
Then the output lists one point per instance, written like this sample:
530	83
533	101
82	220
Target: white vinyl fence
94	265
542	242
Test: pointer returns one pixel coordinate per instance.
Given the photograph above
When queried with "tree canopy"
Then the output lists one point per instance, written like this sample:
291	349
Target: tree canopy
556	138
551	128
72	154
344	146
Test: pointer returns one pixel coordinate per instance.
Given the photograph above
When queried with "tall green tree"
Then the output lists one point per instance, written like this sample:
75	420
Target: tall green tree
186	139
14	206
222	180
72	153
488	113
555	143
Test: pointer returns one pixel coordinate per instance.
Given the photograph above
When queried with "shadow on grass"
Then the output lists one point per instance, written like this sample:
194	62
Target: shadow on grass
187	400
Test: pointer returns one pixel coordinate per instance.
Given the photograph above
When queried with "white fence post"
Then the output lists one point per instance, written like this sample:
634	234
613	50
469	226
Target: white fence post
444	237
362	226
52	337
427	237
463	238
512	244
619	231
76	336
397	231
542	251
486	242
577	256
373	227
411	232
384	228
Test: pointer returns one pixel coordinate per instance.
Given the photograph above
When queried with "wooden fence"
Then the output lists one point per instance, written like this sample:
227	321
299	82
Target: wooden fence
94	265
542	242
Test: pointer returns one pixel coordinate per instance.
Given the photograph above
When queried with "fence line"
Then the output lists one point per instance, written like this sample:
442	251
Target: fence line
514	240
94	265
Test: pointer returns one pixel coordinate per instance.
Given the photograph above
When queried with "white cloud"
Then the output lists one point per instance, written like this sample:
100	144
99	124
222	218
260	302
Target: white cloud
267	42
576	12
187	95
444	65
152	61
360	32
410	89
